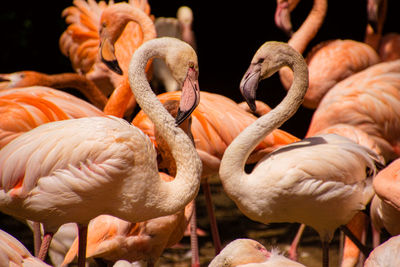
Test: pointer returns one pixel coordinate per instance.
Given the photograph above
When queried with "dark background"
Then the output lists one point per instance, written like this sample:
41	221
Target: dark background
228	33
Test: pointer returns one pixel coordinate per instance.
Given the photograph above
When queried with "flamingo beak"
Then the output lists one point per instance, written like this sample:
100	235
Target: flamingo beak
190	97
282	18
5	81
249	85
107	55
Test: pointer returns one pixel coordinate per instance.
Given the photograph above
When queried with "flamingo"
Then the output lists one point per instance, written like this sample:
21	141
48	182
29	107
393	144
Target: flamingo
23	109
181	28
80	41
324	174
58	81
388	45
387	254
70	185
385	208
328	62
213	130
13	253
368	100
248	252
359	222
100	41
113	239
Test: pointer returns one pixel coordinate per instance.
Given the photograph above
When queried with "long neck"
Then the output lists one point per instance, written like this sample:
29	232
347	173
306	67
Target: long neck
232	164
79	82
302	37
184	187
141	18
307	31
373	37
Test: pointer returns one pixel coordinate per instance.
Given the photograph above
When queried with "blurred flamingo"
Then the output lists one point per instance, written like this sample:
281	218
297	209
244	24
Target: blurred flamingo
387	254
13	253
181	28
99	33
90	155
330	61
58	81
324	174
385	208
112	239
368	100
388	45
248	252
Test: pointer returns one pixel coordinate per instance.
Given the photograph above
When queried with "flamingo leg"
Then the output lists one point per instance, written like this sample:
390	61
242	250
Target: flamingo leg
376	237
211	215
358	226
44	247
37	238
355	240
325	253
194	244
82	234
295	243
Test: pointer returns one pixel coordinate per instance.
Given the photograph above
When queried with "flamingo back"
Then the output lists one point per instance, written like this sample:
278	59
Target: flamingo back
332	61
368	100
80	41
23	109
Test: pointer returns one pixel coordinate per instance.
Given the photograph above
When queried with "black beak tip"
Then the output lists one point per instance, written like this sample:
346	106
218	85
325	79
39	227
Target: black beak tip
113	65
180	117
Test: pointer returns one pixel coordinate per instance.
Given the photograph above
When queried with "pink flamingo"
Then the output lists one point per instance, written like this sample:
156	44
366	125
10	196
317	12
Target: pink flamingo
98	151
324	175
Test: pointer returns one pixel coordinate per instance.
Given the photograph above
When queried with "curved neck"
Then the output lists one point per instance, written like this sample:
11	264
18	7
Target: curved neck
184	187
134	14
373	37
233	162
79	82
302	37
307	31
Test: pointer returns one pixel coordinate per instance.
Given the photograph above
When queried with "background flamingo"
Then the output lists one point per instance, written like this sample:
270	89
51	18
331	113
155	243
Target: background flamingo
387	45
283	188
13	253
329	61
66	81
181	28
367	100
385	205
104	32
248	252
23	109
90	164
386	254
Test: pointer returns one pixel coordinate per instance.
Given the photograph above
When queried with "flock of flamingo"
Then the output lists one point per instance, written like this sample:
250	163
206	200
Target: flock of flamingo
98	187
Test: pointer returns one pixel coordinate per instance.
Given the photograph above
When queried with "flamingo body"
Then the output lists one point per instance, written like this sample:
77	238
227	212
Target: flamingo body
332	61
13	253
80	41
23	109
366	100
247	252
387	254
214	129
385	208
327	184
